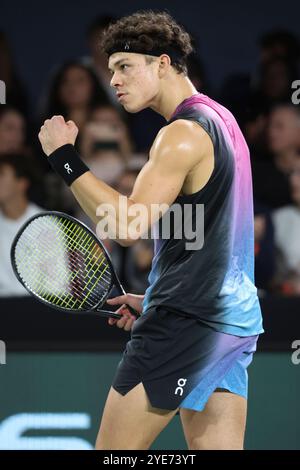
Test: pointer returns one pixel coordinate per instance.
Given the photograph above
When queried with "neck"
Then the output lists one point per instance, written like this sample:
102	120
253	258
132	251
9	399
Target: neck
15	207
181	88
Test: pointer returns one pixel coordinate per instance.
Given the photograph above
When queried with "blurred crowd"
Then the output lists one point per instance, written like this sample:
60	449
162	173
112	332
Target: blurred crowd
115	146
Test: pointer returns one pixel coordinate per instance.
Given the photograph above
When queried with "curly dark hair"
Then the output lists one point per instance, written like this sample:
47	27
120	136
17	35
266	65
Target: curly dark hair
148	30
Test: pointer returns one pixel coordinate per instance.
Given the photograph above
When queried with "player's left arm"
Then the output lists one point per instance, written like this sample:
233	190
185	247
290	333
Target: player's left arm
177	148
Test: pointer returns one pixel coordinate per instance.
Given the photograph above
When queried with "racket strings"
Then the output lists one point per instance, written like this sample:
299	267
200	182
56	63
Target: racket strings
87	269
57	277
73	274
96	255
62	263
47	284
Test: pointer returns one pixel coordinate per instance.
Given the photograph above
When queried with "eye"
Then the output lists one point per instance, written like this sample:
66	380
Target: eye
123	66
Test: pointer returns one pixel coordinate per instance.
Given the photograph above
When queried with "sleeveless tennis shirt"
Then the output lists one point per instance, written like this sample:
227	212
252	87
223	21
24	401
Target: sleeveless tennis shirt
213	282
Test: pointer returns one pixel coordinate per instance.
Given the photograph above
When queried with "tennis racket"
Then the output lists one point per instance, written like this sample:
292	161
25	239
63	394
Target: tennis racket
63	264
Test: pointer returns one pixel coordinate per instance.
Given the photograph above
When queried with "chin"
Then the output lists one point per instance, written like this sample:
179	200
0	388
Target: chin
134	108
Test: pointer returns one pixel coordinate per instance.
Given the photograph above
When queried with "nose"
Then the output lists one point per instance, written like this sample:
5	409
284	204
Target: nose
115	80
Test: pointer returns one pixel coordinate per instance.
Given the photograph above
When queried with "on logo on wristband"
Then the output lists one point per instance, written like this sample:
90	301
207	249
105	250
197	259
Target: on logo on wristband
68	168
67	163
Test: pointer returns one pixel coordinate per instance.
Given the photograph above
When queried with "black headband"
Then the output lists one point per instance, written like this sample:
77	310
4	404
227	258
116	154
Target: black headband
126	46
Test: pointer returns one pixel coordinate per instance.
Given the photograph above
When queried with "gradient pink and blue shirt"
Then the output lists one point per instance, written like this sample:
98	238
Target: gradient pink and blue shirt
214	284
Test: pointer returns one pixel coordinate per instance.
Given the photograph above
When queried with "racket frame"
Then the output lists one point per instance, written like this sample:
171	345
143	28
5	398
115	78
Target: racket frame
114	282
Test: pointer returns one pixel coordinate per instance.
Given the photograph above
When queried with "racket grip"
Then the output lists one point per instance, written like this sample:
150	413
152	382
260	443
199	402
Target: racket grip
117	316
108	314
133	311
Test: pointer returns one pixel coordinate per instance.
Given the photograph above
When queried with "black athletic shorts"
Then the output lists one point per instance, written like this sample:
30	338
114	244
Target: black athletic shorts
181	361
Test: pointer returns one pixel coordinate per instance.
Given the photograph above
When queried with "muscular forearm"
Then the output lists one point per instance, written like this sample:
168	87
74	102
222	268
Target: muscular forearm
118	217
100	201
110	210
91	193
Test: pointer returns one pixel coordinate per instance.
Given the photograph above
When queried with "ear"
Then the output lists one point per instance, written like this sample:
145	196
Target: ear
164	64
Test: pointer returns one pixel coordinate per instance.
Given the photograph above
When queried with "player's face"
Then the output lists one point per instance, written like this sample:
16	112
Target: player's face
135	80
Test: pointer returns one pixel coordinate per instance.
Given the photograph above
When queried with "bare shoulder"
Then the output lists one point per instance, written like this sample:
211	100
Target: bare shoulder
187	128
181	137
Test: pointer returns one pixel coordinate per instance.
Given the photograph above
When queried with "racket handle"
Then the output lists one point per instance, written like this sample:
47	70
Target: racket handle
133	311
118	316
108	314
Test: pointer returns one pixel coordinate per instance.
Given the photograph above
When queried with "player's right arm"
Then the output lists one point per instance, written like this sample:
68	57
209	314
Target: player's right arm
177	149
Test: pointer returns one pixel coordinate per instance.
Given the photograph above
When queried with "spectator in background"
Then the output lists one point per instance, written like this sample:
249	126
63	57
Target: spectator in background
16	177
287	238
107	124
264	248
278	66
73	93
13	140
279	43
274	82
270	178
105	145
12	131
284	136
16	95
97	60
254	125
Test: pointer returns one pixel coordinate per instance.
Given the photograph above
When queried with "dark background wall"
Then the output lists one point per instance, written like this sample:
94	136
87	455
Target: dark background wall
43	34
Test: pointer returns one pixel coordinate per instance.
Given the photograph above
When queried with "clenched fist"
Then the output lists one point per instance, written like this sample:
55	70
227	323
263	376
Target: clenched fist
56	132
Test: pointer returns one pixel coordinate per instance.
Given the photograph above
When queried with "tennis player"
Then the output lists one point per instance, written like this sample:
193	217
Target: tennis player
190	349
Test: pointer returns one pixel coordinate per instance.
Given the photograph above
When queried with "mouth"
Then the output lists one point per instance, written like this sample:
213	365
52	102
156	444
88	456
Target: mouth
120	95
